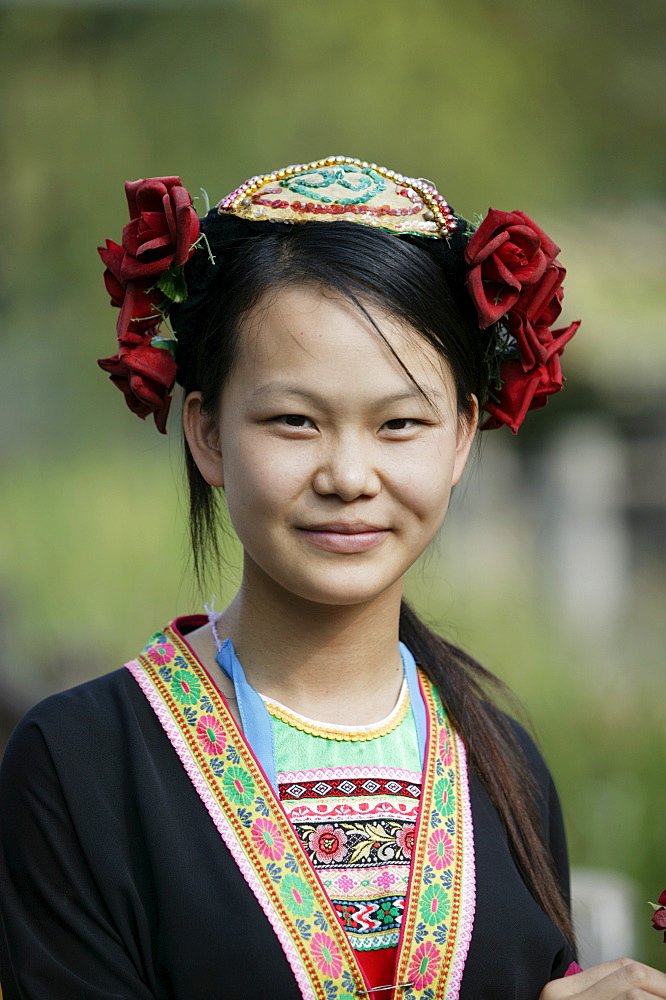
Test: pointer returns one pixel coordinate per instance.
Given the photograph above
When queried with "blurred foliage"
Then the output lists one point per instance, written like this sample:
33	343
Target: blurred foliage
557	109
549	107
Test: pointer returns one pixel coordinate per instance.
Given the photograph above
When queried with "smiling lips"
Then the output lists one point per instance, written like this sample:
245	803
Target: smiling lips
345	536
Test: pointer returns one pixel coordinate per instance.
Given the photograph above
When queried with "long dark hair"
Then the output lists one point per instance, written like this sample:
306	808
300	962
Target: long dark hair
422	281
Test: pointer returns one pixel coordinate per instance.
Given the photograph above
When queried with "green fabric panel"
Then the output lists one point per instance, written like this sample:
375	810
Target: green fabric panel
299	751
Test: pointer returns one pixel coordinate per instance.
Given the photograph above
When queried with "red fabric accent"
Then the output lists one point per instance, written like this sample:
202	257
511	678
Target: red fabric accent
378	968
522	391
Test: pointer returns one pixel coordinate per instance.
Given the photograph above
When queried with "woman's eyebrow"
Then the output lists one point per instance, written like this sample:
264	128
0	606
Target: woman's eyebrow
287	388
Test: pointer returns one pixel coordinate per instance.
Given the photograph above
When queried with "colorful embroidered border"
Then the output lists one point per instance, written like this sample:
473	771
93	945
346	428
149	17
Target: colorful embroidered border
253	825
443	858
249	819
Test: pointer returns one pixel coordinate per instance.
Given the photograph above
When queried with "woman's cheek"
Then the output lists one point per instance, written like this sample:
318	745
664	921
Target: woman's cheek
424	487
262	481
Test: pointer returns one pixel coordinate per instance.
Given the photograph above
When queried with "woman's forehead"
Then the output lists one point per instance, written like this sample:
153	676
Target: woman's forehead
310	332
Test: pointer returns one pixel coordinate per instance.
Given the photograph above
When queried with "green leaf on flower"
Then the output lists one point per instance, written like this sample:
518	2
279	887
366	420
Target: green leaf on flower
172	283
164	344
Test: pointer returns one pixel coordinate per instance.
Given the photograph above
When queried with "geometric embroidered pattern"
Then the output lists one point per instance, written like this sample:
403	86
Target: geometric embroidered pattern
321	789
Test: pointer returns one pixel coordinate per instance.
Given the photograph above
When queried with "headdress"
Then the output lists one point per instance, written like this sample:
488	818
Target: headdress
512	274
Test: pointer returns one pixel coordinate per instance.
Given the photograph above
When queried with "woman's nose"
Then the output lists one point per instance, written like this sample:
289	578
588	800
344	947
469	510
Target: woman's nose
348	471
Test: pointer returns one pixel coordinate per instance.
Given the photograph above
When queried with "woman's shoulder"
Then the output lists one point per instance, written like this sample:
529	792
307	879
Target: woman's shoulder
88	722
88	701
531	750
546	797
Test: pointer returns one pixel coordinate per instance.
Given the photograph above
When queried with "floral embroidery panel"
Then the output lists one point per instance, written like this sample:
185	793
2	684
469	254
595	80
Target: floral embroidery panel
357	829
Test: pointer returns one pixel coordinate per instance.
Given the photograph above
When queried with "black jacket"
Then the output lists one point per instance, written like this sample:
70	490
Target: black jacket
114	882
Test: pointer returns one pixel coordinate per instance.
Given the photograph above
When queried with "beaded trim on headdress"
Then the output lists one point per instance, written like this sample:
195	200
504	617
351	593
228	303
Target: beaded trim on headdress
512	273
339	188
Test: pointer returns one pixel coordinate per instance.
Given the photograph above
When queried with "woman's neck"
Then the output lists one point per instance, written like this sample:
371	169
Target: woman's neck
331	663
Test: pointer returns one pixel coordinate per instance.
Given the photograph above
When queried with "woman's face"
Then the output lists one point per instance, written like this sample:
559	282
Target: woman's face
337	471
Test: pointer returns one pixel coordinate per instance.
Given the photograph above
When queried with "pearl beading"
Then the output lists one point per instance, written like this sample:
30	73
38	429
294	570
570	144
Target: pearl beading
437	216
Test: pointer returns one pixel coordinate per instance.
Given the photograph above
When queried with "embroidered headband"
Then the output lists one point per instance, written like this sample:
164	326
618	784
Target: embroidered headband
512	274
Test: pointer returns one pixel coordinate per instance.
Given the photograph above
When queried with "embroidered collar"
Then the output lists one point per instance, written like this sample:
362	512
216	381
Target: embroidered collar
227	776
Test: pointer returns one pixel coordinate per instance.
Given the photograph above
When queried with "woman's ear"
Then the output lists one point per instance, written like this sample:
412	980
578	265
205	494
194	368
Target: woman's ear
467	425
203	437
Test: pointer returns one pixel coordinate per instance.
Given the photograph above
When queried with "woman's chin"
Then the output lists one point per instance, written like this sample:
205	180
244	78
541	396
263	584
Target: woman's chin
337	582
345	593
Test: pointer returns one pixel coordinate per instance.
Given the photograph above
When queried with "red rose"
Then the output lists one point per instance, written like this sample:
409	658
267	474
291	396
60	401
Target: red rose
522	391
157	241
659	915
533	315
162	230
507	254
112	255
138	303
145	374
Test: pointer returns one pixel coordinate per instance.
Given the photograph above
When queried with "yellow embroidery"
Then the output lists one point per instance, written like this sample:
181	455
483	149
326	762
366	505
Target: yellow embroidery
343	733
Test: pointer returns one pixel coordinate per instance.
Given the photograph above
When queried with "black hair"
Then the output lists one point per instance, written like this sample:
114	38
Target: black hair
422	281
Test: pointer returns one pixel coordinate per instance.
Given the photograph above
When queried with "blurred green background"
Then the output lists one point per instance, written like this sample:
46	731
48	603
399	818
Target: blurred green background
555	109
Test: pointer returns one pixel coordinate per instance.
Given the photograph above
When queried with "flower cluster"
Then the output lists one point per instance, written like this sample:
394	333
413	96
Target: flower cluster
144	276
514	279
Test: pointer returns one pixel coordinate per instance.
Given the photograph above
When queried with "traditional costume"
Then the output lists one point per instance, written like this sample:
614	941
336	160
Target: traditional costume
146	854
150	848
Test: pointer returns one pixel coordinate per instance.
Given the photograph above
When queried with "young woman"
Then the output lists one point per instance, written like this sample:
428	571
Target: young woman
346	814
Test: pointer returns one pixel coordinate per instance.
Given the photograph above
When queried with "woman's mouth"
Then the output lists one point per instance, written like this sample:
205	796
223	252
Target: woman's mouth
345	536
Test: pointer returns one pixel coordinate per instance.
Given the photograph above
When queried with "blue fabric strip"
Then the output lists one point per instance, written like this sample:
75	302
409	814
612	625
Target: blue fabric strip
256	721
416	698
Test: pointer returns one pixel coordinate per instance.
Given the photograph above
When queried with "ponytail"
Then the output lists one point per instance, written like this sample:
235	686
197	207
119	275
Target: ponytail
494	754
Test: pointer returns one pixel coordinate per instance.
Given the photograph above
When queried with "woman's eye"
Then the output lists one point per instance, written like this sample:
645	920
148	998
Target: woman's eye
294	420
401	424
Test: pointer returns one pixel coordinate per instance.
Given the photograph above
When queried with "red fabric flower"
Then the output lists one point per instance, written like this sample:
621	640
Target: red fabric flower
531	319
159	237
507	254
162	229
513	275
145	375
522	391
138	301
659	915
